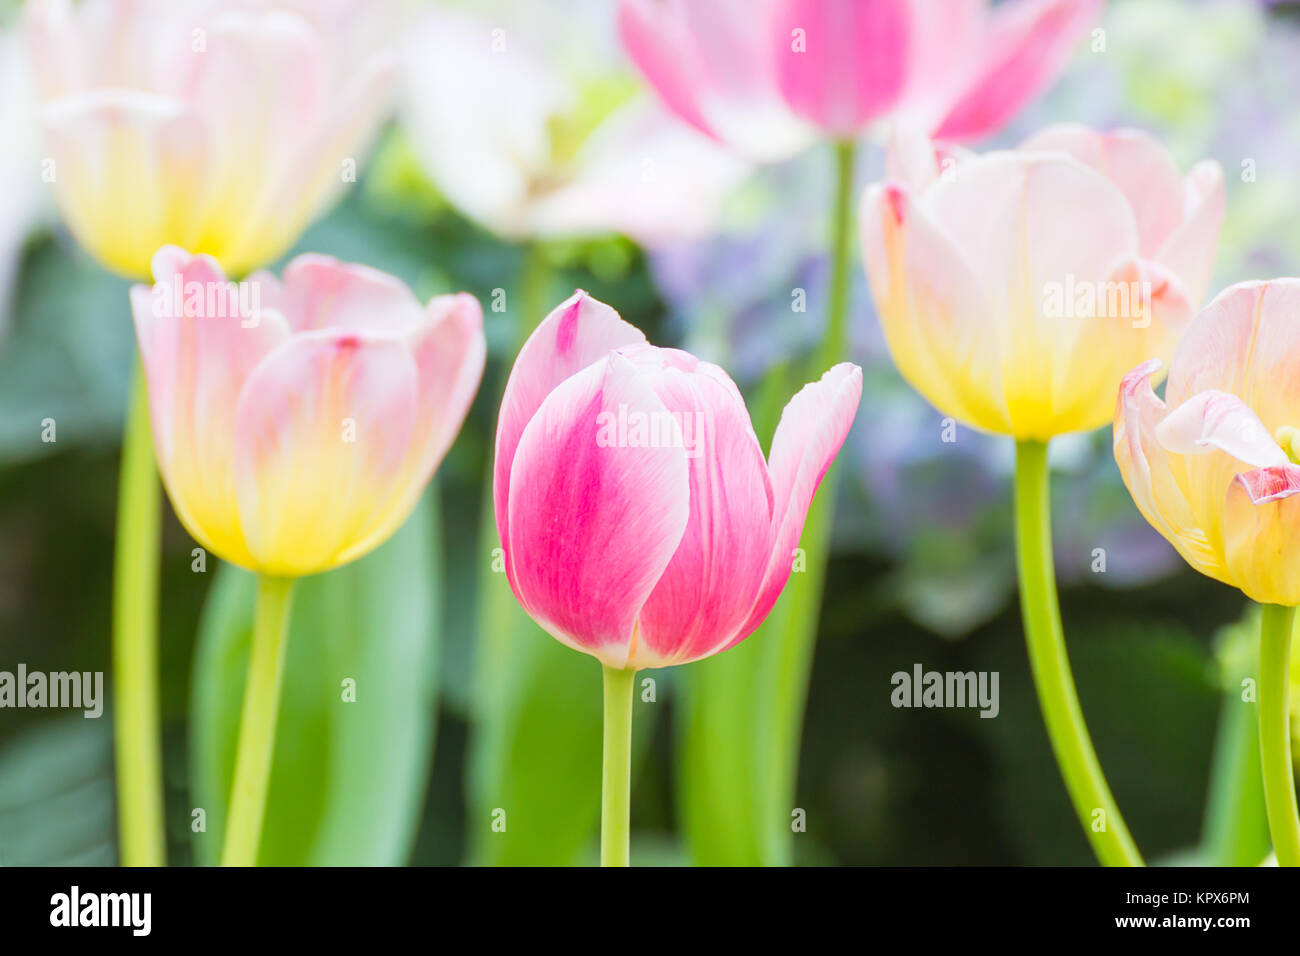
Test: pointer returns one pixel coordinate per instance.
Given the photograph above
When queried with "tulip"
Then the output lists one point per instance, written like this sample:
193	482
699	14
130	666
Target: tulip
223	130
1213	468
296	423
220	128
1014	289
639	520
768	76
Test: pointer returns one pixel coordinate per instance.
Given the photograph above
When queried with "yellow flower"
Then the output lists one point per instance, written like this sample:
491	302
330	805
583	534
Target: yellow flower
1015	289
220	129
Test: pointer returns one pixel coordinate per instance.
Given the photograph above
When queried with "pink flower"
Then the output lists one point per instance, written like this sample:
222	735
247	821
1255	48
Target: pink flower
297	422
639	520
766	76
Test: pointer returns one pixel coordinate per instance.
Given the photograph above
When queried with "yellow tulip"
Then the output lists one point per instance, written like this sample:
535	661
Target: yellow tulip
1015	289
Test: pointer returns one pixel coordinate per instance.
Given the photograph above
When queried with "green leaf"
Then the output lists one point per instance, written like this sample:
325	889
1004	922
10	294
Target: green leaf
349	777
56	794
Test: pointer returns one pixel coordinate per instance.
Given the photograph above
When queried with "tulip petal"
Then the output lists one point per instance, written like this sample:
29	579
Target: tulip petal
1147	470
593	520
319	292
579	331
812	429
1190	250
1242	344
1217	420
841	63
322	433
709	587
1261	519
196	361
932	309
712	64
1135	162
1028	44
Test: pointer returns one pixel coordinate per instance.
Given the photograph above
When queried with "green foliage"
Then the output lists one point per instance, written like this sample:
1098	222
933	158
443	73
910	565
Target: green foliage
349	776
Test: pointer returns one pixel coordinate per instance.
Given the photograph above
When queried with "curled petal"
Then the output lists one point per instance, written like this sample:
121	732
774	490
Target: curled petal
812	429
579	331
1213	420
593	520
1270	484
1262	527
1146	469
322	434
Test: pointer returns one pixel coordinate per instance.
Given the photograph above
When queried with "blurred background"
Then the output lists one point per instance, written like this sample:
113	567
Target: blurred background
922	568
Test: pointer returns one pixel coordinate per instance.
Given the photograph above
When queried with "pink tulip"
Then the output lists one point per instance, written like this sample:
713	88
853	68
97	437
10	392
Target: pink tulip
297	421
767	75
639	520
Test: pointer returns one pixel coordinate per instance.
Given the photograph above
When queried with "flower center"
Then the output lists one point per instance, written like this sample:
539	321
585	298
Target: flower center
1289	439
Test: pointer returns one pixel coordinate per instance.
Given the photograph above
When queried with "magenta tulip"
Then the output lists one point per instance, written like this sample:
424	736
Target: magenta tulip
766	76
639	519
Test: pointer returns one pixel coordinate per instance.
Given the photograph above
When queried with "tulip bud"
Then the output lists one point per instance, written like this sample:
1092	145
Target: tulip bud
640	521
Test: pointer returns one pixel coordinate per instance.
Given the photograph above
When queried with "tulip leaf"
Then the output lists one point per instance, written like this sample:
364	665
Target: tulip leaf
56	794
354	739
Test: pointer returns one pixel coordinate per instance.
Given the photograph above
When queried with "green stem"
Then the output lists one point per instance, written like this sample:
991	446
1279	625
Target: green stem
835	346
138	738
1275	733
616	780
1051	666
257	723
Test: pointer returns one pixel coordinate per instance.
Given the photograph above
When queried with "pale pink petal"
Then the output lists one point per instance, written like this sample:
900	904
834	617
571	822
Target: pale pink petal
656	37
1027	46
199	345
322	435
593	520
319	292
1217	420
449	351
1135	162
709	587
812	429
841	63
579	331
713	65
943	39
1190	250
1244	343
